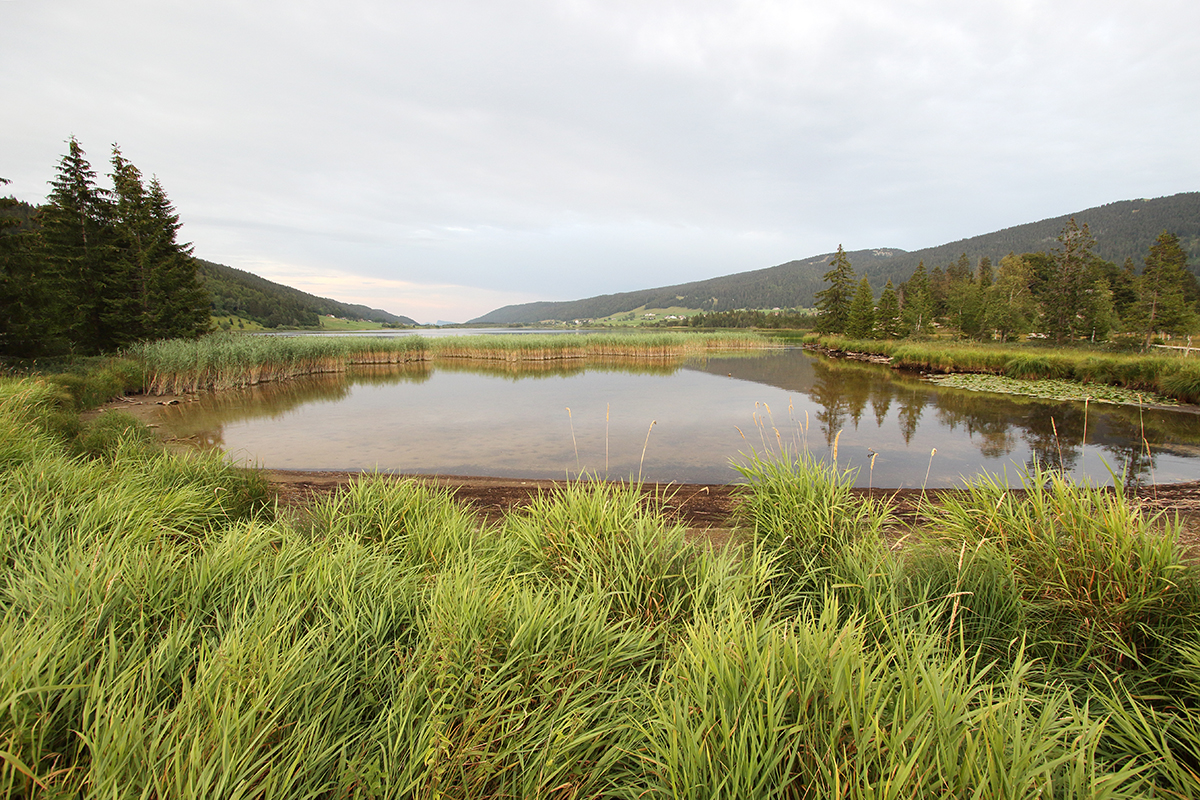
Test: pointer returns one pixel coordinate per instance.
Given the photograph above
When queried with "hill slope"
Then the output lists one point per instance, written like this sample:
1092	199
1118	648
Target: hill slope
1122	230
271	304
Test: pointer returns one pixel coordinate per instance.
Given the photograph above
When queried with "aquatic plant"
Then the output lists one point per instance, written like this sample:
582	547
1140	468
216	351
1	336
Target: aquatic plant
1173	375
226	360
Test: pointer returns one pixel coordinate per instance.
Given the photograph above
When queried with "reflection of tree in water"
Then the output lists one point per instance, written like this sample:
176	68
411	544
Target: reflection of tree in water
843	391
1129	455
1053	434
881	401
912	405
827	393
988	423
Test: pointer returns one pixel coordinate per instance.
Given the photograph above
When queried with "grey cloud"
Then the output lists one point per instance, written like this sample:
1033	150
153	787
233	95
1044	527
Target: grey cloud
568	148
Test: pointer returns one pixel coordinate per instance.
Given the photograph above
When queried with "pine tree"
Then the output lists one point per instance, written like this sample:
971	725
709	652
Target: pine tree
28	316
1064	297
986	275
129	272
178	303
860	322
116	258
917	305
833	303
77	232
887	316
1161	304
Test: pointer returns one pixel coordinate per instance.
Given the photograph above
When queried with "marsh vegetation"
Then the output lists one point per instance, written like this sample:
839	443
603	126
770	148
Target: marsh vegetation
225	361
167	631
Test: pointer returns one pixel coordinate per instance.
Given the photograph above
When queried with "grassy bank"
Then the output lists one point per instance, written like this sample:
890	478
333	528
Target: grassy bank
166	633
1173	376
223	361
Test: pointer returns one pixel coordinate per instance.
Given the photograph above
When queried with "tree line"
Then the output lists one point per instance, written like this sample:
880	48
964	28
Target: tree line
1067	294
95	268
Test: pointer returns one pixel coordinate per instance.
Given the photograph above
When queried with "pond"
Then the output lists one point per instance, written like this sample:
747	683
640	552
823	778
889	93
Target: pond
684	422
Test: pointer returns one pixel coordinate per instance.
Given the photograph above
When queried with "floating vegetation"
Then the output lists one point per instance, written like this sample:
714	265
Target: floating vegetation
1051	389
1173	375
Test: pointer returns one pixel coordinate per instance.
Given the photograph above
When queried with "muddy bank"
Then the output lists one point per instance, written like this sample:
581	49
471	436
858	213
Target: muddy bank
702	507
708	510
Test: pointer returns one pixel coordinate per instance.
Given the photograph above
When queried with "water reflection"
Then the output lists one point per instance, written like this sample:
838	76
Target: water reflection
510	419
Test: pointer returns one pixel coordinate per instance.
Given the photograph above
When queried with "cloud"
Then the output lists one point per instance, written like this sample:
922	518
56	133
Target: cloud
563	148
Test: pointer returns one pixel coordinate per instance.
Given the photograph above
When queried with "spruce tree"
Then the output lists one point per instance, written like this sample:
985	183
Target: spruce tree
178	303
860	323
29	318
917	306
127	309
76	225
1161	301
887	315
1065	296
833	303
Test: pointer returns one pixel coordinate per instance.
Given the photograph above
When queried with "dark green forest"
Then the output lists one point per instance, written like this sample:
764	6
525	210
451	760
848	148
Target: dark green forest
97	268
1122	230
244	294
1066	294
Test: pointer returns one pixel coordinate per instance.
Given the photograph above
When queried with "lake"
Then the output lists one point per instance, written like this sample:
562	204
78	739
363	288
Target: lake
680	422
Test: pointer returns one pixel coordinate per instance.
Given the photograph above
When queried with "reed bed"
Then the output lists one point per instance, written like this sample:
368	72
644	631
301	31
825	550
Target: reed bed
166	632
225	360
1173	376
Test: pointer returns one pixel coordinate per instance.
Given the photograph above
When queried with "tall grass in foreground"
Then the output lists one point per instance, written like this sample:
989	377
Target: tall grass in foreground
222	361
1104	586
165	633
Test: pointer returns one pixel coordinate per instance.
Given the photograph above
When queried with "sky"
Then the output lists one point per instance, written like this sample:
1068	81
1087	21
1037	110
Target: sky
440	159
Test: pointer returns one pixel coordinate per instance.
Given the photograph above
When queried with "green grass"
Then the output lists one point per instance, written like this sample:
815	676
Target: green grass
330	323
1173	376
232	322
165	631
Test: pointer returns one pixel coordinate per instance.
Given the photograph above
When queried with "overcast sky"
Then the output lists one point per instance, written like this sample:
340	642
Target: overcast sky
442	158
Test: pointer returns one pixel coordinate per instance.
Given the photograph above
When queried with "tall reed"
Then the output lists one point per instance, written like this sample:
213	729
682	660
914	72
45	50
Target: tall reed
1104	585
226	360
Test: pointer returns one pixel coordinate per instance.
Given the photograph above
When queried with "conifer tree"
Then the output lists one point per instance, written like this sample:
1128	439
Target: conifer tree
888	323
27	312
178	303
1064	296
127	309
860	323
77	232
917	305
833	303
116	260
986	275
1161	305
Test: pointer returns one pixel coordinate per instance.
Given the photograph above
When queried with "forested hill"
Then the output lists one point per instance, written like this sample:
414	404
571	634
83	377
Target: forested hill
245	294
1122	230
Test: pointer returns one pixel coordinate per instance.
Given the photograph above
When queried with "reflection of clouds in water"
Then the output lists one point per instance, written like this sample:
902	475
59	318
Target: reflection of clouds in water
502	421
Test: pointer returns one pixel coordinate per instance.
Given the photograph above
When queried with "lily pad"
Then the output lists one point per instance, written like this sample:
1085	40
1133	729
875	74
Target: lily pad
1051	389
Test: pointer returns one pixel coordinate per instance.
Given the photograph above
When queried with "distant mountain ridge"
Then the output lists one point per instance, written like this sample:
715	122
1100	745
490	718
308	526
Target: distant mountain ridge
244	294
1124	229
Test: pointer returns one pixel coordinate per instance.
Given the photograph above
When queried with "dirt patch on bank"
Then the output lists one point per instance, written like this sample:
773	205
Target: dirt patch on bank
706	509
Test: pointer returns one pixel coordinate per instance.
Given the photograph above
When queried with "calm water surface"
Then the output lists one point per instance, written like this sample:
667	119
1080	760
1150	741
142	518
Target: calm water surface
684	422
